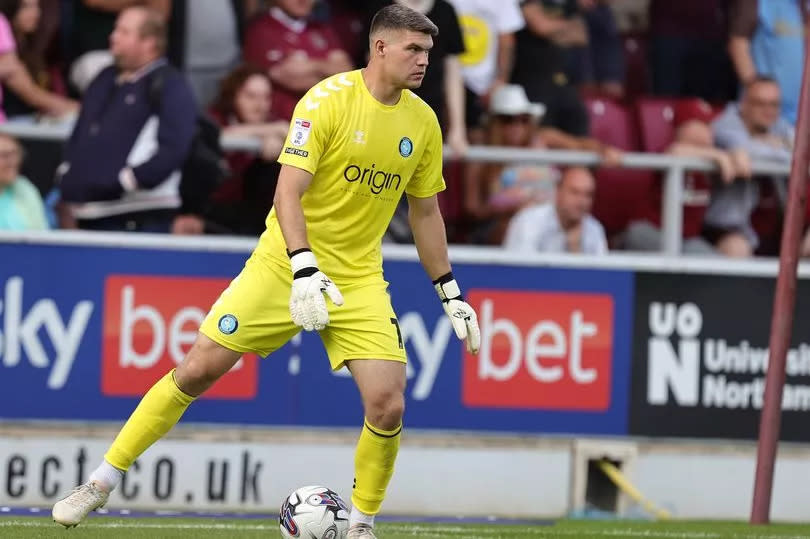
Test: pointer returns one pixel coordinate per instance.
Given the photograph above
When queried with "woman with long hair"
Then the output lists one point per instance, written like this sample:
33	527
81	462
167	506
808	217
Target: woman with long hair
22	60
242	108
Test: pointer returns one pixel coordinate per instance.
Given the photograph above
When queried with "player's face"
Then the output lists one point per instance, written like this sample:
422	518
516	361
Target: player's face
252	101
298	9
406	57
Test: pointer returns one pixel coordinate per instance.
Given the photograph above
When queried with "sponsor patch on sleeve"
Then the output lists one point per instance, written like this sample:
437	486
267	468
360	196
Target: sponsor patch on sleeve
296	151
300	132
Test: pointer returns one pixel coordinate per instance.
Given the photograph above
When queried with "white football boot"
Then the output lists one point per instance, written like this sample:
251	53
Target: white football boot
70	511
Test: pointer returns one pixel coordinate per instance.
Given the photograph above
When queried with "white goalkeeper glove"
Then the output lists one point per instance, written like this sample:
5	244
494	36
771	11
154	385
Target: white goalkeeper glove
462	316
307	304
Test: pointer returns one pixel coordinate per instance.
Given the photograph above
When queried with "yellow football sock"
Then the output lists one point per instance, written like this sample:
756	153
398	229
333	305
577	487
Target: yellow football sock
373	466
159	410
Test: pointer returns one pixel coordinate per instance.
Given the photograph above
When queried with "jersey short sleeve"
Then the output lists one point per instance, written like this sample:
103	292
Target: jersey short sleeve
311	127
509	17
427	179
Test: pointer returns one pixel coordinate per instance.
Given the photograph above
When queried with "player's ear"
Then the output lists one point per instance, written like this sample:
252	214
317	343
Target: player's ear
379	47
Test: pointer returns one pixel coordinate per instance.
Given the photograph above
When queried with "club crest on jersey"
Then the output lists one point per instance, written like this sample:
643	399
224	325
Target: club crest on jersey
228	324
405	147
300	132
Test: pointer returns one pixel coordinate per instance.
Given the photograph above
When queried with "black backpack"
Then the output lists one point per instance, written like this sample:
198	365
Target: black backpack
205	167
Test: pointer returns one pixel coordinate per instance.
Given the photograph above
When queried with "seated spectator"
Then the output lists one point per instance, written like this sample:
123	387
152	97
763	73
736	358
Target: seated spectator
21	206
15	76
296	52
767	37
242	108
693	138
122	162
753	126
32	39
504	189
564	225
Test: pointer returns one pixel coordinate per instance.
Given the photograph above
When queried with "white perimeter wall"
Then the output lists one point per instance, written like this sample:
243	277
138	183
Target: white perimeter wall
451	476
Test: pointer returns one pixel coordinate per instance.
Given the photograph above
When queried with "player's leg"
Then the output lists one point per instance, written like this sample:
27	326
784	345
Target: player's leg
159	410
364	335
382	385
251	315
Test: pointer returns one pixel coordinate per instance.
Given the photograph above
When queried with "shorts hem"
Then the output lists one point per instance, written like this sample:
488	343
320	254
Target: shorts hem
385	357
233	346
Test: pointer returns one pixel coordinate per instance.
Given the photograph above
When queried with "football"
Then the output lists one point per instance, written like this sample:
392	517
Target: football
314	513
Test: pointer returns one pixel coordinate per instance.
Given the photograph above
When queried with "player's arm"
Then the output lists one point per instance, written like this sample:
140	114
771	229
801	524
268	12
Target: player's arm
292	183
430	237
307	305
429	234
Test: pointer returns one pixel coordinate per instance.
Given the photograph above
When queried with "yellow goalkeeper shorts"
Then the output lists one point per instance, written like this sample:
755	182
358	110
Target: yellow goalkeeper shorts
252	315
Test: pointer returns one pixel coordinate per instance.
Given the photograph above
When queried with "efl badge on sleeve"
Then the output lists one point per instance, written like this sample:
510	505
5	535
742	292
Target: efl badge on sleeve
300	131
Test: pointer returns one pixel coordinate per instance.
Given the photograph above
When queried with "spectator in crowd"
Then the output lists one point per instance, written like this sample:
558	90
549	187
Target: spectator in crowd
504	189
489	42
203	51
32	39
540	66
564	225
753	126
687	52
92	21
767	38
297	52
122	161
693	138
599	66
21	206
242	108
353	18
15	76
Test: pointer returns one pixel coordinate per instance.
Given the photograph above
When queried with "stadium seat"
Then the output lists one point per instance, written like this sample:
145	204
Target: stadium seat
656	123
619	191
612	123
637	70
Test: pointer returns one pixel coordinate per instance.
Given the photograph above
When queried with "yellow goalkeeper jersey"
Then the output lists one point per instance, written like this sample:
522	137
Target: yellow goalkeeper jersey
363	155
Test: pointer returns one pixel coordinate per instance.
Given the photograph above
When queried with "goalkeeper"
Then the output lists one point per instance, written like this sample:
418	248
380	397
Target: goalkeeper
357	141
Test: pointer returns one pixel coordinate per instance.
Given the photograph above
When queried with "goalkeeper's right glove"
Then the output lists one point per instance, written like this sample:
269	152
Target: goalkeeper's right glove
307	304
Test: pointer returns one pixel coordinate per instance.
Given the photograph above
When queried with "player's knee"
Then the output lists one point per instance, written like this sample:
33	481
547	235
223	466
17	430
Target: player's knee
385	409
205	363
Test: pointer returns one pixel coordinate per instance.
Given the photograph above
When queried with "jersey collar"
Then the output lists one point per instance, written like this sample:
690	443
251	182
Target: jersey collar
296	25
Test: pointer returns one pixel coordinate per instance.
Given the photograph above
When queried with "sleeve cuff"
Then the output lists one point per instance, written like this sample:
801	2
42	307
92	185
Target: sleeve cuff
127	180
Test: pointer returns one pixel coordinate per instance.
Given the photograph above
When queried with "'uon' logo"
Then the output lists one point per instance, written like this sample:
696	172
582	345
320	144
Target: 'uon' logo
541	350
149	325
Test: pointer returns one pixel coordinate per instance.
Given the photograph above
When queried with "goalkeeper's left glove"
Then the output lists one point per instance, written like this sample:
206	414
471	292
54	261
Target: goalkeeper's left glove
462	316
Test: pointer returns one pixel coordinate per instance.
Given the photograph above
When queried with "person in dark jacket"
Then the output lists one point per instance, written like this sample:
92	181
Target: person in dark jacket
122	162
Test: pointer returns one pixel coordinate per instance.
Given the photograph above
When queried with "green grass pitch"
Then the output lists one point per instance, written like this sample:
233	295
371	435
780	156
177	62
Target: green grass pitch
158	528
